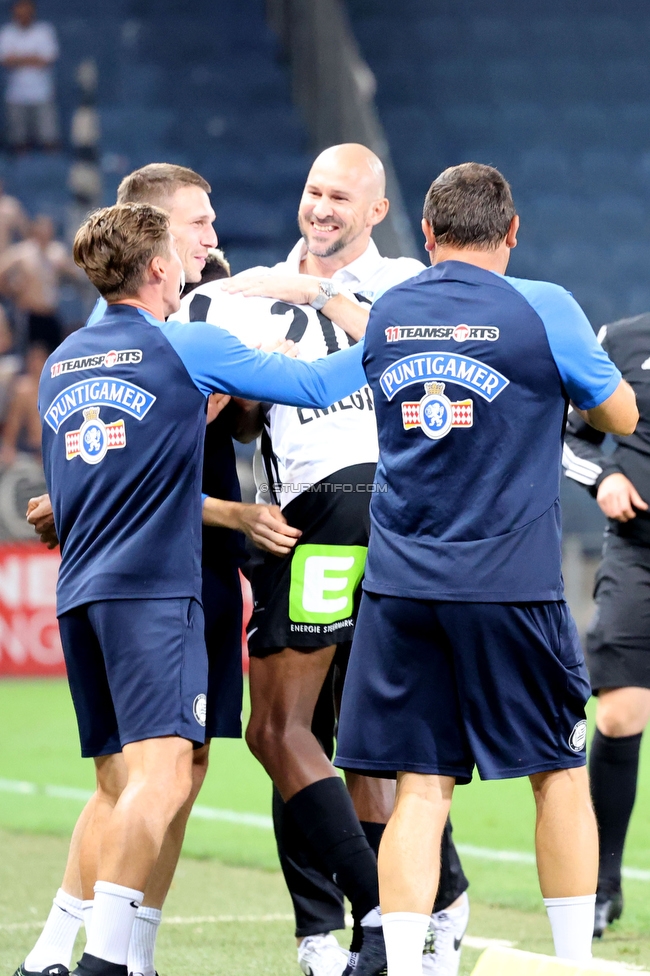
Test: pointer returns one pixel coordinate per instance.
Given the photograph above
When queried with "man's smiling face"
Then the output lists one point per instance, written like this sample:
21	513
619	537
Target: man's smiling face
339	202
191	217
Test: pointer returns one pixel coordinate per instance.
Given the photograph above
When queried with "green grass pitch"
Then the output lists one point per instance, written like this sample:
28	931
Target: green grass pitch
229	874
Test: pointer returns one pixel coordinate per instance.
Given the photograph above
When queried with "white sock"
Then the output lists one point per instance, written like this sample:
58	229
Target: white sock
404	934
572	924
56	941
87	909
143	941
114	911
372	918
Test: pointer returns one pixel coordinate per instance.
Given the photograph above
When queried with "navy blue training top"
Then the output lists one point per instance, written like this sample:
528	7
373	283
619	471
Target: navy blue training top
471	373
221	548
123	412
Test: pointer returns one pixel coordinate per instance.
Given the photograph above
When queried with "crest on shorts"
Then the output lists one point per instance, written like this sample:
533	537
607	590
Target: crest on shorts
94	438
199	707
578	737
435	414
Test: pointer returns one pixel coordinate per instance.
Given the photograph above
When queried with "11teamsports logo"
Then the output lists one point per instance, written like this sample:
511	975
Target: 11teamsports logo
460	333
108	359
94	438
435	414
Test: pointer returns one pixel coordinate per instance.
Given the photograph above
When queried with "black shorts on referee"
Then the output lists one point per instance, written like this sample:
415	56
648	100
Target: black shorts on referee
617	648
310	599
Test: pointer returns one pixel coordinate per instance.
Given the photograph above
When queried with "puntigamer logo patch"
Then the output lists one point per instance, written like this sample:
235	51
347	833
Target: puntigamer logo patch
452	368
113	358
125	396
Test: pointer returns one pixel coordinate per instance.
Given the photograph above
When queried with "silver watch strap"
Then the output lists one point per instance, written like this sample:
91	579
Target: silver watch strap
326	291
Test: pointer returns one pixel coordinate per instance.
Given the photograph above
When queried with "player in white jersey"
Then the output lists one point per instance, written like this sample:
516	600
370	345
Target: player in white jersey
319	467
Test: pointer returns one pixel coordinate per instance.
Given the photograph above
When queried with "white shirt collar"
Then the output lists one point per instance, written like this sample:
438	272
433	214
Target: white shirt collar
359	270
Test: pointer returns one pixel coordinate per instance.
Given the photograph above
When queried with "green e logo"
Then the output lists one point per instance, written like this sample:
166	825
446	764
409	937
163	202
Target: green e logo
323	582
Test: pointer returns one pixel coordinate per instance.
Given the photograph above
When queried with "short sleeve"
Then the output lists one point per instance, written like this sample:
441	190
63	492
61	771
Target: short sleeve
588	374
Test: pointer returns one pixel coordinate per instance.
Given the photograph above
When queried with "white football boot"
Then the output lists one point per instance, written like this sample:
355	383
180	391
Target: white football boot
442	946
321	955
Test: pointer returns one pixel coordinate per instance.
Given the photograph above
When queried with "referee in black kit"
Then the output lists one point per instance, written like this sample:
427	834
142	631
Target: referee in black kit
618	639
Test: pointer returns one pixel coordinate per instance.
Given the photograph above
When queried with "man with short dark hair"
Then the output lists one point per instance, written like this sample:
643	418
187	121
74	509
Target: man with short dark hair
129	599
465	652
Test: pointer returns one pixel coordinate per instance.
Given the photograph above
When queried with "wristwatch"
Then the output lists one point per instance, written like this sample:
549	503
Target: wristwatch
326	290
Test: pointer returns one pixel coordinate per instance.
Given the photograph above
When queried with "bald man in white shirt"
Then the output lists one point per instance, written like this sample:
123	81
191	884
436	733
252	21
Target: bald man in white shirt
319	469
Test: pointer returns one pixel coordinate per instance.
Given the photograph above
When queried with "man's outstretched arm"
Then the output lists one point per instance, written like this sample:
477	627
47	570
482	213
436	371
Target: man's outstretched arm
618	414
218	361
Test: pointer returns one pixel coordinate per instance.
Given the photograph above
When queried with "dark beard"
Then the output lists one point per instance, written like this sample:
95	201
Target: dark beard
332	249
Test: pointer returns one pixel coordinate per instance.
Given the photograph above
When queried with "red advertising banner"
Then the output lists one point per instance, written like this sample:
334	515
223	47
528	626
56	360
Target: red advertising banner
29	633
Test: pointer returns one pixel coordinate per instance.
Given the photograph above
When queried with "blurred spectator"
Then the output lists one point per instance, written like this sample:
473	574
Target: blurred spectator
10	364
29	274
28	49
22	430
13	220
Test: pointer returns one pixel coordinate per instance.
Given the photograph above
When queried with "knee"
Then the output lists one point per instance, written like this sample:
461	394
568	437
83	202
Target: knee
616	722
266	739
111	778
173	791
614	725
200	763
167	784
622	711
255	736
559	787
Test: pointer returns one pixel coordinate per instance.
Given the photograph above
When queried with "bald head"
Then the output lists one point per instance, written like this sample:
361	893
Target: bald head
343	199
353	165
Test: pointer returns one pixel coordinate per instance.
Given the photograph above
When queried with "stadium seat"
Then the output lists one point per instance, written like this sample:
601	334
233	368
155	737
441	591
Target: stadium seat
554	92
170	89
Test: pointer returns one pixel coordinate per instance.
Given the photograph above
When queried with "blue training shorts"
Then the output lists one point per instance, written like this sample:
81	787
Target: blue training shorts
138	669
440	687
223	610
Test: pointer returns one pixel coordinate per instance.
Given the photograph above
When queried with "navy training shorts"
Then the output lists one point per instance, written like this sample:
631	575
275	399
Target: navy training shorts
137	669
223	610
437	687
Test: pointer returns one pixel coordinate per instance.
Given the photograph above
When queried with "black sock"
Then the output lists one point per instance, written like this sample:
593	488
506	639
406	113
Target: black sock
613	768
93	966
374	832
324	813
452	877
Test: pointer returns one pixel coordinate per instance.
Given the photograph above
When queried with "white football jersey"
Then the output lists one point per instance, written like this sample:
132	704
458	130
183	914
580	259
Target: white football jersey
303	445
